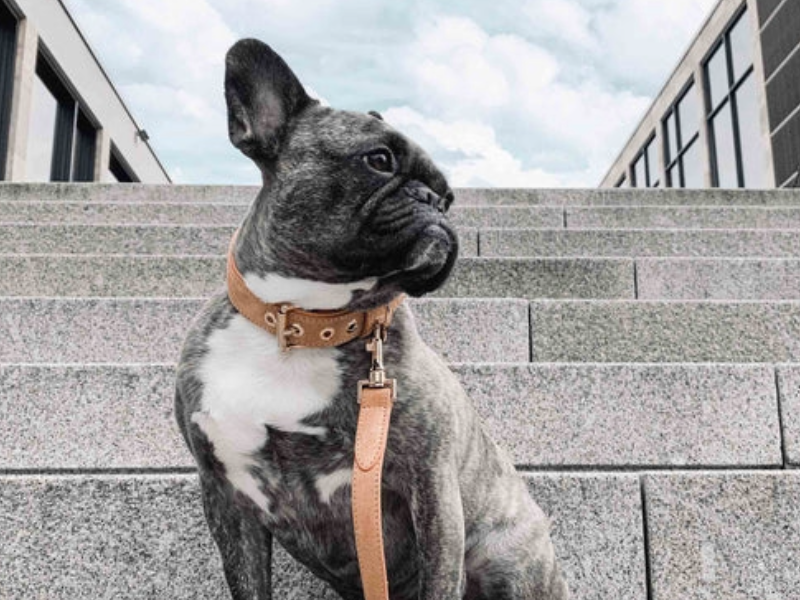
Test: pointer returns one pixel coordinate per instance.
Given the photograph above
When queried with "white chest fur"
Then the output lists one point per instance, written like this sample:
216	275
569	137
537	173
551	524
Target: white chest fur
248	384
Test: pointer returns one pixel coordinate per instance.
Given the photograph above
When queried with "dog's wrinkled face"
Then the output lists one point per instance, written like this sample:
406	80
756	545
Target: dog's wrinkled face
346	197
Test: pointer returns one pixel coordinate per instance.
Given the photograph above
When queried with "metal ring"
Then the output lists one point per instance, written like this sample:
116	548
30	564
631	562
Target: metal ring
352	326
270	319
327	333
297	330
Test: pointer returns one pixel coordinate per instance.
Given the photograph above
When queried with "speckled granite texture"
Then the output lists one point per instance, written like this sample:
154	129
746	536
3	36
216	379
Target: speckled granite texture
541	278
685	217
718	279
640	242
115	416
143	536
112	330
649	331
732	536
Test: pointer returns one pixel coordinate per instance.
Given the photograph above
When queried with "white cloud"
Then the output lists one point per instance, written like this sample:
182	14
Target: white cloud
563	20
476	159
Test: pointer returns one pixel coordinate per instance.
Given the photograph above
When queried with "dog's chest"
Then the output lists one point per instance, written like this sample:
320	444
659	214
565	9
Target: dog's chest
250	386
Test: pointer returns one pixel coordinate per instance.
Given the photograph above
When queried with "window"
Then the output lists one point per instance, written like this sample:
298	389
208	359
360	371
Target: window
645	167
118	170
737	148
61	138
8	45
681	134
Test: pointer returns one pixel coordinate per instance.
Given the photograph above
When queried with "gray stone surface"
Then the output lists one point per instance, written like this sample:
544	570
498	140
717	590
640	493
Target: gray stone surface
231	214
200	276
43	330
143	536
629	415
507	216
669	331
106	275
93	192
140	239
122	213
685	217
541	278
718	279
130	192
89	417
475	330
597	532
640	242
568	416
122	537
724	535
625	197
789	393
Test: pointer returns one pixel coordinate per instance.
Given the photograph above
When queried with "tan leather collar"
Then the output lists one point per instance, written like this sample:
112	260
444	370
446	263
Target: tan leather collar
297	328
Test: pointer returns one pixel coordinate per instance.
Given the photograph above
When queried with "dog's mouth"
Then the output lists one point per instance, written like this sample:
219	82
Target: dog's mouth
426	262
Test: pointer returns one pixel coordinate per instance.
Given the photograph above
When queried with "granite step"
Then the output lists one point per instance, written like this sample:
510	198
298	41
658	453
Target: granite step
111	330
547	416
724	535
144	193
62	212
141	239
201	276
144	536
775	243
665	331
694	217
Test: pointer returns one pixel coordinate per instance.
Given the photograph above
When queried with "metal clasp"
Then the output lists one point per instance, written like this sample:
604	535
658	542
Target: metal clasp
282	333
377	371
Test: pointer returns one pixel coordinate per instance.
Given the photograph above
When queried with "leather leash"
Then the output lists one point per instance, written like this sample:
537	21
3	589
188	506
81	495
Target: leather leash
296	328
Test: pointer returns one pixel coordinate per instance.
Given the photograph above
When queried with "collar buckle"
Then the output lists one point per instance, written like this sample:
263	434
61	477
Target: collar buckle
283	333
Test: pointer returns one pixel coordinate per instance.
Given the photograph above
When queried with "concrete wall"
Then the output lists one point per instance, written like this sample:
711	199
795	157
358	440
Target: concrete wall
691	64
47	24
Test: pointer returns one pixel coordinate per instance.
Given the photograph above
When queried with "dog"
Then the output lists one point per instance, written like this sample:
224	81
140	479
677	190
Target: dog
351	215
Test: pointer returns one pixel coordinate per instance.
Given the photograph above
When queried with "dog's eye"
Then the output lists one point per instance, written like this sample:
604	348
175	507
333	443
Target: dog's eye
381	161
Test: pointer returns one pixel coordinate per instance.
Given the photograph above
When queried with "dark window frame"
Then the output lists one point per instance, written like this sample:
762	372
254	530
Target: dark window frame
75	137
120	168
9	27
729	97
644	153
682	148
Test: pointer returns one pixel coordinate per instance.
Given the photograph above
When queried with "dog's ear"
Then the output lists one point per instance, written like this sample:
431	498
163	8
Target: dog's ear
263	95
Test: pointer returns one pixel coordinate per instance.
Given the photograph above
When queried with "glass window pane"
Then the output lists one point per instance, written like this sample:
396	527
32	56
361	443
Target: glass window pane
672	141
692	165
717	76
689	113
752	142
653	166
725	155
41	135
741	41
639	178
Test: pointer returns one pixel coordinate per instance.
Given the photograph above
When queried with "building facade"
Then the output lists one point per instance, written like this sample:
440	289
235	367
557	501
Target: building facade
729	115
60	117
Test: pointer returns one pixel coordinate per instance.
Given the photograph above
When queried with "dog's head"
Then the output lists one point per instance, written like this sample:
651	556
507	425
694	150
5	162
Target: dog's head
346	197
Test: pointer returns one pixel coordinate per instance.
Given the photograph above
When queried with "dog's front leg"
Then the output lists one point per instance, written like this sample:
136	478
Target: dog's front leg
439	527
244	544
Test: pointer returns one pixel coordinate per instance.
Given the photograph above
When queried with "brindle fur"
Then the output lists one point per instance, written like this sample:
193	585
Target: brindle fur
458	520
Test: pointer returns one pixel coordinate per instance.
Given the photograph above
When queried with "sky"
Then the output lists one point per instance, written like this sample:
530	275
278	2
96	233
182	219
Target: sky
501	93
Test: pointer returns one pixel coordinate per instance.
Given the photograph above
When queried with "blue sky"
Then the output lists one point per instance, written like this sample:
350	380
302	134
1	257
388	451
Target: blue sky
502	93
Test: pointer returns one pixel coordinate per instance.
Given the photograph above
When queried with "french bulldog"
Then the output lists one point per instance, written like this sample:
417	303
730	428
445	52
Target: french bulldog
352	214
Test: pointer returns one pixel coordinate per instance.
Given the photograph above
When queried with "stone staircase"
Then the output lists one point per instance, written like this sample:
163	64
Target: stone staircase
637	352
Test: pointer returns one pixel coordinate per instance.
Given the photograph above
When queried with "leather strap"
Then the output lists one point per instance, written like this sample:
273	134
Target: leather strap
297	328
371	436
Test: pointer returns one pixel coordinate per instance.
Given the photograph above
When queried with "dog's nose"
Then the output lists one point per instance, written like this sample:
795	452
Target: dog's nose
426	195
